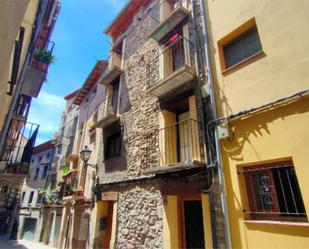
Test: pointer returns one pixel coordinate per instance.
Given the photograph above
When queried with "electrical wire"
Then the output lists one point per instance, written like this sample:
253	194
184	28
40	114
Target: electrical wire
273	104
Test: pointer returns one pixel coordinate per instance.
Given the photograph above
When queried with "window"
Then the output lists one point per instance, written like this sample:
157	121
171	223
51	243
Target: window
48	155
273	192
45	171
22	197
243	47
32	160
36	174
113	146
174	47
240	45
30	197
39	199
4	189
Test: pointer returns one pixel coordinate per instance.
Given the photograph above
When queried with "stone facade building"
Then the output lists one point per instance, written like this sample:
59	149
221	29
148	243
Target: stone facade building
154	163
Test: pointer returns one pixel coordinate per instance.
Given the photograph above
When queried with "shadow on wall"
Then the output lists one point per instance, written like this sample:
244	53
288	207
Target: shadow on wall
258	126
125	103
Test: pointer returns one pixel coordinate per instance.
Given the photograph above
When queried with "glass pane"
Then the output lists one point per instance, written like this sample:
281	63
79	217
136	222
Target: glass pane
251	43
242	47
287	188
264	198
233	54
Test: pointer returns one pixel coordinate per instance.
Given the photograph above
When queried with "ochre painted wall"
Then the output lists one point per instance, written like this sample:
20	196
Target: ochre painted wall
171	229
283	27
275	134
170	223
13	14
207	222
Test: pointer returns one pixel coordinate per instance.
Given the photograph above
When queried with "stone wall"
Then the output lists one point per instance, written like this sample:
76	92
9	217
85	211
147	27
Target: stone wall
140	218
139	109
140	206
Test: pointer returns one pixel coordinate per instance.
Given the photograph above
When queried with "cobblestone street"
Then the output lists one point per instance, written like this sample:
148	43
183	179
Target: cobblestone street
22	244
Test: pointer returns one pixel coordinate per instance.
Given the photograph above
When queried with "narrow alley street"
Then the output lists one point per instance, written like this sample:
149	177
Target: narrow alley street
21	244
154	124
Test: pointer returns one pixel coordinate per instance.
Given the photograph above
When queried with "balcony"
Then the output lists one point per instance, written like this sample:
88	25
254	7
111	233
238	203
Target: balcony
108	112
17	151
72	194
175	67
36	71
172	13
179	148
113	70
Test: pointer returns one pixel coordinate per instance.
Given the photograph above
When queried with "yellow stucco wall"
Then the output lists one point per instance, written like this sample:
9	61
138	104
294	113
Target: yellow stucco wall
171	229
170	223
275	134
207	222
283	27
12	16
101	210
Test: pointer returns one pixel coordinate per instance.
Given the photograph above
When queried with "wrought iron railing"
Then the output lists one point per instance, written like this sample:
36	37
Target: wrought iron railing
273	193
109	107
18	147
179	142
174	55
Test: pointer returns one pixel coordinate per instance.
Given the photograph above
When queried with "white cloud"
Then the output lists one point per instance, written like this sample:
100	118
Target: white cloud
117	4
46	111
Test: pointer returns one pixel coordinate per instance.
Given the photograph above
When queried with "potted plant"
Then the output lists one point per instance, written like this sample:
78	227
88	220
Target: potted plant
43	58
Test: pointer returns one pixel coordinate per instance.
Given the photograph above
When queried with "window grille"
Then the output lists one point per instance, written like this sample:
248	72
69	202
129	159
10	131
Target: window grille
273	192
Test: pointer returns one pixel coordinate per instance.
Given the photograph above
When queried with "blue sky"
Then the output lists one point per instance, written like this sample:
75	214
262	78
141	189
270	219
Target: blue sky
79	41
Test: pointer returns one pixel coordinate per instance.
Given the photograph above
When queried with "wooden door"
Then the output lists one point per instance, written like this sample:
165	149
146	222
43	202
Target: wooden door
109	224
191	219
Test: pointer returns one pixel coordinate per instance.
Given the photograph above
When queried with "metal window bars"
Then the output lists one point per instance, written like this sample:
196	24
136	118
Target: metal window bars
273	193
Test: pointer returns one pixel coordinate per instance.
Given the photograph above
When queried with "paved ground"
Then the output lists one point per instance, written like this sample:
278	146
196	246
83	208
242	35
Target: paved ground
22	244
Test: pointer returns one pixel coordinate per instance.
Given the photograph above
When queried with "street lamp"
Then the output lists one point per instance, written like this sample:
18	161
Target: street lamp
85	154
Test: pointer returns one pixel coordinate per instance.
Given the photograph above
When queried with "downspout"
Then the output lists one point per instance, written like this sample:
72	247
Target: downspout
227	235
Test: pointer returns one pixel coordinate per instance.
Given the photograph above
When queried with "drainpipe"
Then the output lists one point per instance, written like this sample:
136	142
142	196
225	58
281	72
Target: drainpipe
227	235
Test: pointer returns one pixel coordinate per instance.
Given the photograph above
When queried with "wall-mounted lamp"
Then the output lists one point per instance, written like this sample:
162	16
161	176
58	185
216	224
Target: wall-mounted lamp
85	154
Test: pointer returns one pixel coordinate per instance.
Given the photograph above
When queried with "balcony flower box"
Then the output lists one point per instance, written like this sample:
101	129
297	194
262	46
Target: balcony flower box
78	192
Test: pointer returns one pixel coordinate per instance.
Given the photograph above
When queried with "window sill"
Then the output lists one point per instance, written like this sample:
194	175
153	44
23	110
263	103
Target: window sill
245	62
280	223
